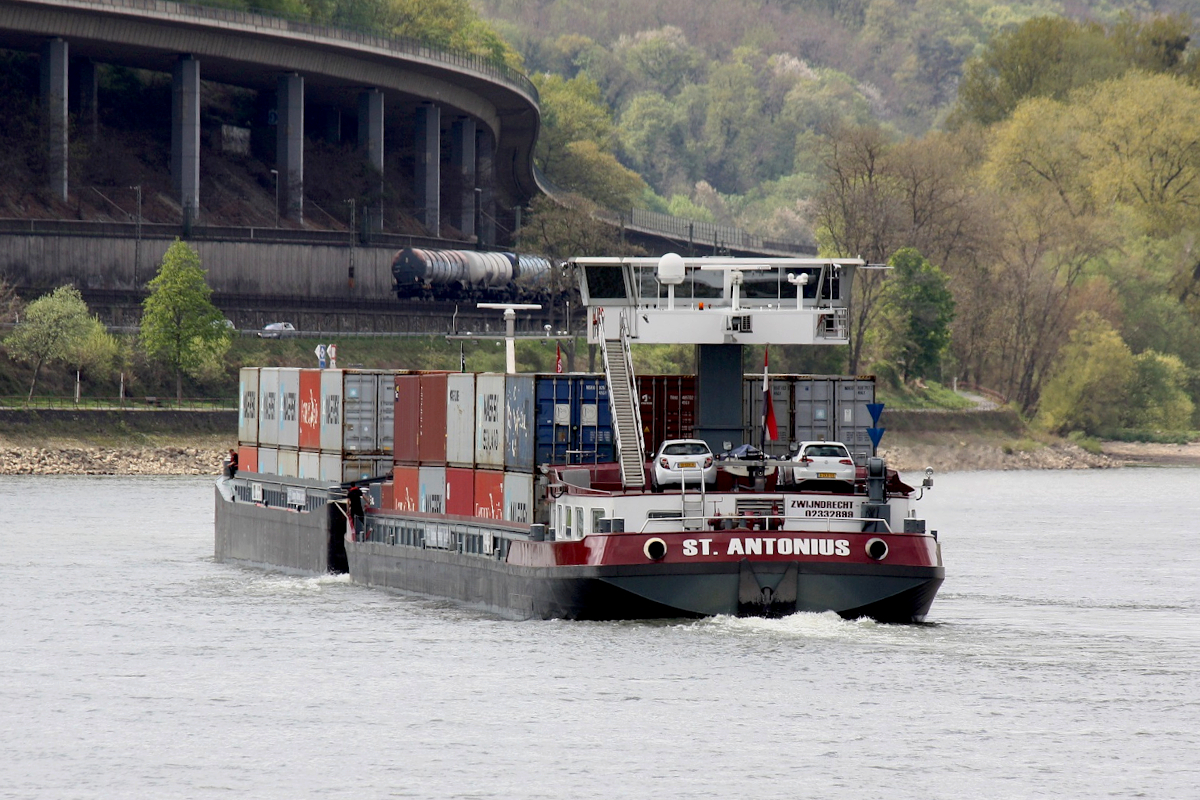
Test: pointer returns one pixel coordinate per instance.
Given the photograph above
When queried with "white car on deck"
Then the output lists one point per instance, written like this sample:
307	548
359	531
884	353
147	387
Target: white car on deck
823	461
677	460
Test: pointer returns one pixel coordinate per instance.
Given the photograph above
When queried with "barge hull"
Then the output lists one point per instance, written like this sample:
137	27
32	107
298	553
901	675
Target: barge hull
897	594
278	539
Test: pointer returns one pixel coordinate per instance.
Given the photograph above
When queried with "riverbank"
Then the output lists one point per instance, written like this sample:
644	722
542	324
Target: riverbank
196	443
193	457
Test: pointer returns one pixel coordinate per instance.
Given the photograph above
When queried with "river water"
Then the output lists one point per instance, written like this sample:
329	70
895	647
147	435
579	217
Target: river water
1063	660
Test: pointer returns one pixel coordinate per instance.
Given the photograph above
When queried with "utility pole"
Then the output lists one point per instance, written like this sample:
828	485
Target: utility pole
137	244
275	172
352	222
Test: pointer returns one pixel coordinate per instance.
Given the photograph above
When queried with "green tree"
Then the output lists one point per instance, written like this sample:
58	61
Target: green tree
575	149
180	325
572	111
1043	57
1088	390
1157	393
10	303
918	297
1141	136
94	352
52	326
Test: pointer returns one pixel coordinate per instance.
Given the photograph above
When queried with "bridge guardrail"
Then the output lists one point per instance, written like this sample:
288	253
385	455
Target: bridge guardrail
278	22
706	234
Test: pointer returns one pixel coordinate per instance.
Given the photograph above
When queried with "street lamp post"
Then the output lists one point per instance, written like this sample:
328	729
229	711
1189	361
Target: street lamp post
275	172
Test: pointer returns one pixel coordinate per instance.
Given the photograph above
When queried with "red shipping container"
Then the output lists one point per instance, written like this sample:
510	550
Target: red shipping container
386	496
460	491
407	423
406	489
247	459
668	407
489	494
432	447
310	409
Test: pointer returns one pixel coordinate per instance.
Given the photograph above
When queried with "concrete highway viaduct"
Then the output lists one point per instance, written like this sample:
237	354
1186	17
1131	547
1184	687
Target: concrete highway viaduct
469	124
392	88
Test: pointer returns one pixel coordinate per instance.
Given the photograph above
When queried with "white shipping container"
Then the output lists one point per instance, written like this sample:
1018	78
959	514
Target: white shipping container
268	406
431	483
289	406
289	462
331	413
385	407
268	460
518	497
359	469
330	467
460	419
309	464
360	406
489	420
248	406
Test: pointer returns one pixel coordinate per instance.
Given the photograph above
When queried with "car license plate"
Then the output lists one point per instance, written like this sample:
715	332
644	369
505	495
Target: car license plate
687	464
826	474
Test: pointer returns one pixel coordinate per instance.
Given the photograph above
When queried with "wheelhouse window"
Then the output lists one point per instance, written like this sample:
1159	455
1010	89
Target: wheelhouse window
606	282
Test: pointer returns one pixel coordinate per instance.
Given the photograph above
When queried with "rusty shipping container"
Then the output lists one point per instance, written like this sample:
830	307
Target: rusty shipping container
431	446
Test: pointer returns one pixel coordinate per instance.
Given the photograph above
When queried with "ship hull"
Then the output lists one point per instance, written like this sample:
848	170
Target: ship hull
602	577
887	594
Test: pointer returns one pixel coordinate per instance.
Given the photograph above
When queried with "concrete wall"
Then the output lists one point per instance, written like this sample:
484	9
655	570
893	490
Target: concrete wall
103	263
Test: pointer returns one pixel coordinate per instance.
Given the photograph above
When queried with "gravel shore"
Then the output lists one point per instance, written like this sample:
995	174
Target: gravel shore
110	461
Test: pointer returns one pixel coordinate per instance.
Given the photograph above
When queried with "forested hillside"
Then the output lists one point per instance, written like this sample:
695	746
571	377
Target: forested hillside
1037	164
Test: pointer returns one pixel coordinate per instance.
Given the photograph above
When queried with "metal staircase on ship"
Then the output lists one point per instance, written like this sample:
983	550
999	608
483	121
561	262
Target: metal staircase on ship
627	416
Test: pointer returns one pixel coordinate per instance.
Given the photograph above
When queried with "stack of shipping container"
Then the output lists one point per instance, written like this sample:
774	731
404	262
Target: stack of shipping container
830	408
471	444
329	425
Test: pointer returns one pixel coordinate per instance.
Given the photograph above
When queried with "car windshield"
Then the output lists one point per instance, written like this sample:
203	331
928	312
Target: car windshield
686	449
826	451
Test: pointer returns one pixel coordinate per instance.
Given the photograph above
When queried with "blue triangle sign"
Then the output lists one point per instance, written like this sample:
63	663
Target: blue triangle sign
876	434
876	409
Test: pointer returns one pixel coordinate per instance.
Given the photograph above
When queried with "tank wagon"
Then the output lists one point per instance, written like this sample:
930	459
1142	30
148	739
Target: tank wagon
470	275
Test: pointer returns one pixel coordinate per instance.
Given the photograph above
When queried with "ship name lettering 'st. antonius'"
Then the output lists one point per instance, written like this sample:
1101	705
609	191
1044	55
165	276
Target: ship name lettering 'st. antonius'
769	546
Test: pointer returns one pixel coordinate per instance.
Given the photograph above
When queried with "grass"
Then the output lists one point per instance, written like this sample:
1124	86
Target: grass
934	395
1149	436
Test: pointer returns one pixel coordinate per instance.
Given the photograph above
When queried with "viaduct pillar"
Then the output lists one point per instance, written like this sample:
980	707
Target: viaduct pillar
370	141
462	167
486	175
185	135
428	146
289	145
54	113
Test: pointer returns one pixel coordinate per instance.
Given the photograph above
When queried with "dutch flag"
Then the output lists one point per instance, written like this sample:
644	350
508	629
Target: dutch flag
770	430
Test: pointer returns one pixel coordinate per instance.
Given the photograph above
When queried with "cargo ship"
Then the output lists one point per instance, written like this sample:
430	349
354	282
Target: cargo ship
535	496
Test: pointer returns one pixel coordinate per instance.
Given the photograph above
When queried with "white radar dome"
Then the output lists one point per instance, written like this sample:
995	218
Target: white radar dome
671	269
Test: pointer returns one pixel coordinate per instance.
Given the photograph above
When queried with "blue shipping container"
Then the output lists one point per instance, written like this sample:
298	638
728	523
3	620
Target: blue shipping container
519	423
573	419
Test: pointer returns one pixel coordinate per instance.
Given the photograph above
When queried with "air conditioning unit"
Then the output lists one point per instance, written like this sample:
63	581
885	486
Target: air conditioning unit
739	323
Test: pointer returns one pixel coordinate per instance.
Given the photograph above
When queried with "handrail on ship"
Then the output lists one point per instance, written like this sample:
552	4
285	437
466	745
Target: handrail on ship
348	33
766	517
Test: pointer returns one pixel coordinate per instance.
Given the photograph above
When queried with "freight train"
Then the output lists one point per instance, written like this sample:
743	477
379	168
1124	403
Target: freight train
472	275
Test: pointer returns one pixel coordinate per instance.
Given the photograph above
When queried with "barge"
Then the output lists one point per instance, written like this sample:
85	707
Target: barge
532	496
